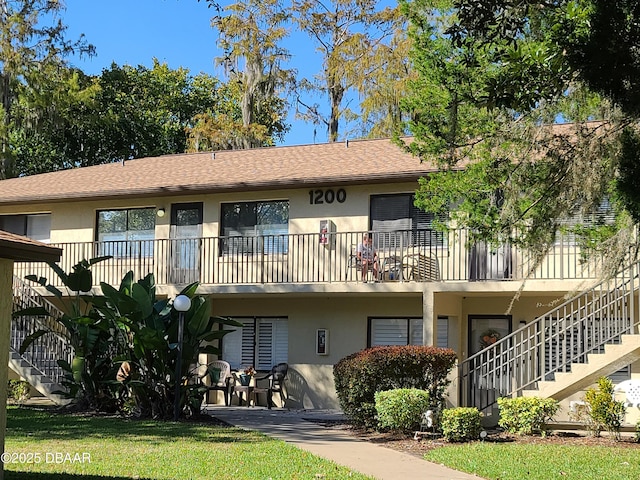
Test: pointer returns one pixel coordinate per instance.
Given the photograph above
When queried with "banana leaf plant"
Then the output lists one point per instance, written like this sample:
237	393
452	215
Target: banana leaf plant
88	335
148	335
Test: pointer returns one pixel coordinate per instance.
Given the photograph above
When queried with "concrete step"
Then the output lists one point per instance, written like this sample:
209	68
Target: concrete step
583	375
43	384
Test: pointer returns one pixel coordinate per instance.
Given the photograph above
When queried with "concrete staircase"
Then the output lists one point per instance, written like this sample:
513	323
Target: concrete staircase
562	352
36	378
38	365
583	375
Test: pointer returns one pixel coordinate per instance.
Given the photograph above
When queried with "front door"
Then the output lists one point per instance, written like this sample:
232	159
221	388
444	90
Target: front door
185	235
488	381
485	330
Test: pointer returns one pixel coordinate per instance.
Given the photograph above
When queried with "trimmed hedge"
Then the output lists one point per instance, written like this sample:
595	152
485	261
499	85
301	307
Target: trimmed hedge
401	409
359	376
526	415
461	424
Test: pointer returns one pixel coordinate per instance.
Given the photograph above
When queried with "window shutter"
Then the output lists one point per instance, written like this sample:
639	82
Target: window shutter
280	341
273	342
621	375
389	216
389	331
442	337
232	348
392	214
248	342
416	331
262	349
265	341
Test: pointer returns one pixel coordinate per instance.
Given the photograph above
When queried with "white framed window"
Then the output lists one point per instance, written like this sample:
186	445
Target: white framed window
405	331
34	226
127	232
261	342
250	227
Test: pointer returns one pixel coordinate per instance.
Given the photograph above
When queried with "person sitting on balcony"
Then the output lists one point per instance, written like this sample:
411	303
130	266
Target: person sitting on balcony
368	258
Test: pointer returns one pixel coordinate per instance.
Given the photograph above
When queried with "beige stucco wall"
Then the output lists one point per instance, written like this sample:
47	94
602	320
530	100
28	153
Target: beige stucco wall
346	319
6	299
74	221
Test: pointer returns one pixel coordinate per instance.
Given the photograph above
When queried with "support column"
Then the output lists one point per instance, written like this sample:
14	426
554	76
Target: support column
429	318
6	304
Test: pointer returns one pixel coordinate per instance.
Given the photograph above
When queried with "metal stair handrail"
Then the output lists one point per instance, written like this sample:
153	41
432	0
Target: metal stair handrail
552	342
44	353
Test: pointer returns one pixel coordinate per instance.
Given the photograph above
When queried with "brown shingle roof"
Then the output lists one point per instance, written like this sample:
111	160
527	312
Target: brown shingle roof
363	161
15	247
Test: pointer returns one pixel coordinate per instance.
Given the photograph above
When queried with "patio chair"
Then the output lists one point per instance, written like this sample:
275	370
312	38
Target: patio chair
421	268
217	377
353	262
631	389
276	383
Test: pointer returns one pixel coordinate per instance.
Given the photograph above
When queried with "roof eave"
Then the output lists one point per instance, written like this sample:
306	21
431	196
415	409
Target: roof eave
208	189
24	252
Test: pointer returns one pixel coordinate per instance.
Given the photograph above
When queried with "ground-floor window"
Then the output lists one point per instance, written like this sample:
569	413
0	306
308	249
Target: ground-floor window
405	331
261	341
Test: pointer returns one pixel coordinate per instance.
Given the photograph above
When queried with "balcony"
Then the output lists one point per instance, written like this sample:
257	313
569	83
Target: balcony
311	258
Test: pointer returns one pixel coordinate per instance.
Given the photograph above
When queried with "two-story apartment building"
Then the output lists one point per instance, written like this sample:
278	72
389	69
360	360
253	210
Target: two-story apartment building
271	235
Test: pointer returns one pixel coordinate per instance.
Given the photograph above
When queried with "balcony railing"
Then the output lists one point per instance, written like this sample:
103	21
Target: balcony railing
405	256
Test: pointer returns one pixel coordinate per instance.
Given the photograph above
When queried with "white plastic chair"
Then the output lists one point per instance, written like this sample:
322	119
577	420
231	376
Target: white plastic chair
631	389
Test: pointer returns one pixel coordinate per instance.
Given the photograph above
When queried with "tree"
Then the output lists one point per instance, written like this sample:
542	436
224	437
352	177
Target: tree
494	79
148	335
384	84
348	35
126	112
251	33
146	112
46	120
31	42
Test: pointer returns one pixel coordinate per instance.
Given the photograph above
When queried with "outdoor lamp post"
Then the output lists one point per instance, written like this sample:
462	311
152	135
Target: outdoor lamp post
182	304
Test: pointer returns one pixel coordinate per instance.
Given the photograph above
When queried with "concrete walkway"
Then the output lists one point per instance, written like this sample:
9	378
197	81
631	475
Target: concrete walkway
301	428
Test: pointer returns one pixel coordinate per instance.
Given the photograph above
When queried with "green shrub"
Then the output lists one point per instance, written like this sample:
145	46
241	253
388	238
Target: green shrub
359	376
18	390
603	411
401	409
526	415
461	424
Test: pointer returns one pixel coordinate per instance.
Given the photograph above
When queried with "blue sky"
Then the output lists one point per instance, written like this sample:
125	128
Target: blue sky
177	32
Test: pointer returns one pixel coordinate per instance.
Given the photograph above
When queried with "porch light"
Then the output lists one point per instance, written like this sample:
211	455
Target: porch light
160	212
182	304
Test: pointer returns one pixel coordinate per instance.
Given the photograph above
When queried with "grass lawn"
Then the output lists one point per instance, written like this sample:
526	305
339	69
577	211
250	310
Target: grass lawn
515	461
44	445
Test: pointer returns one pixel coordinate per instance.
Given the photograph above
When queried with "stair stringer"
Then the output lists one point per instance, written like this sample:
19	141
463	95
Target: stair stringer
40	371
583	375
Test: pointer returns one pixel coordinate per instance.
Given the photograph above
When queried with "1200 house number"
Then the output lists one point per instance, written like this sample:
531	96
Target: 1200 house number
319	196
